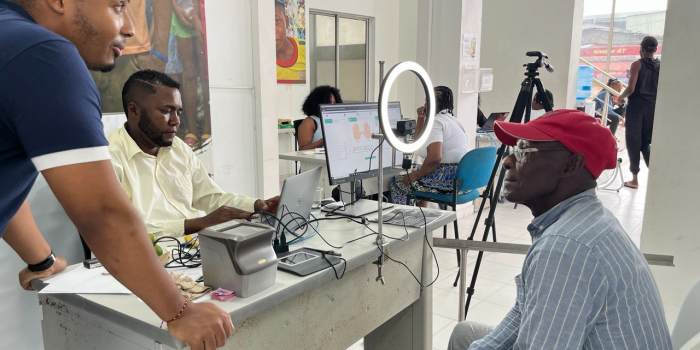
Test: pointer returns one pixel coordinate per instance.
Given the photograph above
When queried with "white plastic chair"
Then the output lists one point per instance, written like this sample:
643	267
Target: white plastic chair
692	344
686	332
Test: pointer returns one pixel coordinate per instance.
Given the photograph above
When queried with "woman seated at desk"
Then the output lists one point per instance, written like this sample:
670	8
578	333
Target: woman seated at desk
446	146
310	135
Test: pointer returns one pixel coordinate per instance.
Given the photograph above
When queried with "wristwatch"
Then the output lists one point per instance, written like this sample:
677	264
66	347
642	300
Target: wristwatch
44	265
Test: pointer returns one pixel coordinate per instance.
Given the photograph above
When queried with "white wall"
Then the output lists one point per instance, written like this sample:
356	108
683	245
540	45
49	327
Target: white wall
513	27
265	80
450	20
384	46
670	217
393	35
412	28
230	47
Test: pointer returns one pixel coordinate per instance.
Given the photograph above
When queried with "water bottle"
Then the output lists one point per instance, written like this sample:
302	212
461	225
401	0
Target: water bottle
584	84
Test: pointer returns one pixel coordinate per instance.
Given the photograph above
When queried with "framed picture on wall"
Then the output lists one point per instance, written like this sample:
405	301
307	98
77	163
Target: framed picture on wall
290	41
170	37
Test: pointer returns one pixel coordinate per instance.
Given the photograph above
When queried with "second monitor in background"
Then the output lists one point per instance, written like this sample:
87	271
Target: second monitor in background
351	152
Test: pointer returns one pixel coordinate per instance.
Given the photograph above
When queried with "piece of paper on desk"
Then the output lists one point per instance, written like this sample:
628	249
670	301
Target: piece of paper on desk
98	281
84	281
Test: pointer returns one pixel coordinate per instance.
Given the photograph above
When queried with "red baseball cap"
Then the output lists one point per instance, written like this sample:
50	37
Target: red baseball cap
576	130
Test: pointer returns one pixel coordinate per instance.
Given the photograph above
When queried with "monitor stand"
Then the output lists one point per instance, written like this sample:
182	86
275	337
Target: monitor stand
358	209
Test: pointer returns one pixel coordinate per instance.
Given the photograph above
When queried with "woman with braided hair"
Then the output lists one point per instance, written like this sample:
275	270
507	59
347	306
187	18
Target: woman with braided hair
444	149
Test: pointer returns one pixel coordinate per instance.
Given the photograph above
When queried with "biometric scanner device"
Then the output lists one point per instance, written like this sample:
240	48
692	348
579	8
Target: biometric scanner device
238	256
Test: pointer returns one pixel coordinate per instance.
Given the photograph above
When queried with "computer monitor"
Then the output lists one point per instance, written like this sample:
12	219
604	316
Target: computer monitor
347	139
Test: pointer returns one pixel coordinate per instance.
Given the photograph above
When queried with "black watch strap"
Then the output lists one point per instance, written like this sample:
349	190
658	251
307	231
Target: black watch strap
44	265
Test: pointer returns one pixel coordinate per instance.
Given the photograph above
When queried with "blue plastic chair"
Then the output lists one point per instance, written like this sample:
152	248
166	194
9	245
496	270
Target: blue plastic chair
473	172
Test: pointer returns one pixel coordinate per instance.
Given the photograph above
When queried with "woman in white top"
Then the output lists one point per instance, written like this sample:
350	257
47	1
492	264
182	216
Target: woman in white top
309	134
446	146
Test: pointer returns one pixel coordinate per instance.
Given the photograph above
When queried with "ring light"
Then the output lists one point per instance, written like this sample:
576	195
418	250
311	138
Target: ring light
384	122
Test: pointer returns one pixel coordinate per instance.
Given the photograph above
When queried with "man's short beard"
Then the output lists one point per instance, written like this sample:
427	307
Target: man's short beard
105	69
88	31
102	69
150	130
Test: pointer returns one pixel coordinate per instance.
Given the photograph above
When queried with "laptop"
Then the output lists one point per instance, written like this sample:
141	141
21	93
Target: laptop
494	117
296	197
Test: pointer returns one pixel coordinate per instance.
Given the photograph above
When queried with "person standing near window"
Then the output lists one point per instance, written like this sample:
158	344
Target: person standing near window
644	81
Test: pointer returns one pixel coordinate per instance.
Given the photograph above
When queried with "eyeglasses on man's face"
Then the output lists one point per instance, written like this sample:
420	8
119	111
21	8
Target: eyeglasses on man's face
519	153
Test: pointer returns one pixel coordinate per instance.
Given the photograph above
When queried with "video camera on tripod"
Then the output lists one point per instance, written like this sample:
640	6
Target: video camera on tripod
540	61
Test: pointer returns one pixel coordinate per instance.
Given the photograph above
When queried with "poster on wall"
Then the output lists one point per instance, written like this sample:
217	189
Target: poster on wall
469	46
170	37
290	41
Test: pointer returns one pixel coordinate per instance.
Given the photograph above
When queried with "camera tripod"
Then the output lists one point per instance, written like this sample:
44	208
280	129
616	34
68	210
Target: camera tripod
521	113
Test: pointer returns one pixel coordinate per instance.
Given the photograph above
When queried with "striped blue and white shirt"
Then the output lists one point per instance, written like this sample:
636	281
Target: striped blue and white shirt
584	285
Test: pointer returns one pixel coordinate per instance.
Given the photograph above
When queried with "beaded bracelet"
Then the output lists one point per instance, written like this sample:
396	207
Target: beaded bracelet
178	315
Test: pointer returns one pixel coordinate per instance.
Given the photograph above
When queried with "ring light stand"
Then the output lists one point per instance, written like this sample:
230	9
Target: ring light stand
388	134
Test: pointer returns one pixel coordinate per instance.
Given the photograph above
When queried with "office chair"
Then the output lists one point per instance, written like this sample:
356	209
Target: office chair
473	172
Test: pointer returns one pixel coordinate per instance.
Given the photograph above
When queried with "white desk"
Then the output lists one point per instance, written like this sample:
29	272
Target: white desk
312	312
310	161
286	143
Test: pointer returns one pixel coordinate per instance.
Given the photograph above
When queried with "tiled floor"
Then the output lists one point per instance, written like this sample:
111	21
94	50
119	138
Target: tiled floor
495	289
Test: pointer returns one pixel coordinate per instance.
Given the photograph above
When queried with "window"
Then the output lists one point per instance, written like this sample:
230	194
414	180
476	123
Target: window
613	29
338	53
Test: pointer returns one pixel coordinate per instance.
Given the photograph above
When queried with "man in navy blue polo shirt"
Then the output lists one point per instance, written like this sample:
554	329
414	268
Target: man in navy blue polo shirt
50	123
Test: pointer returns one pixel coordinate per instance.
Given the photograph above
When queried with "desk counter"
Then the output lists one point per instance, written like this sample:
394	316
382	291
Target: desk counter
312	312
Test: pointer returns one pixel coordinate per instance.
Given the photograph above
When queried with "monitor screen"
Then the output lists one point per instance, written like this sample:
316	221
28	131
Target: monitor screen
347	135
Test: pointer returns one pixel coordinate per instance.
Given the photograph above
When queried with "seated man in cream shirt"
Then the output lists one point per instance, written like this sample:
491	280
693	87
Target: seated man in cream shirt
161	175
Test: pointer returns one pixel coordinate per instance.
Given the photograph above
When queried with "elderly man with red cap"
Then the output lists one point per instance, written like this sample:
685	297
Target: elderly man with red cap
584	284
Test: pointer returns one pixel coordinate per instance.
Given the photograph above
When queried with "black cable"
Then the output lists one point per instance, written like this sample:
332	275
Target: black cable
345	266
298	219
344	244
354	179
403	216
370	161
341	208
306	223
278	221
295	219
186	258
425	227
382	252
